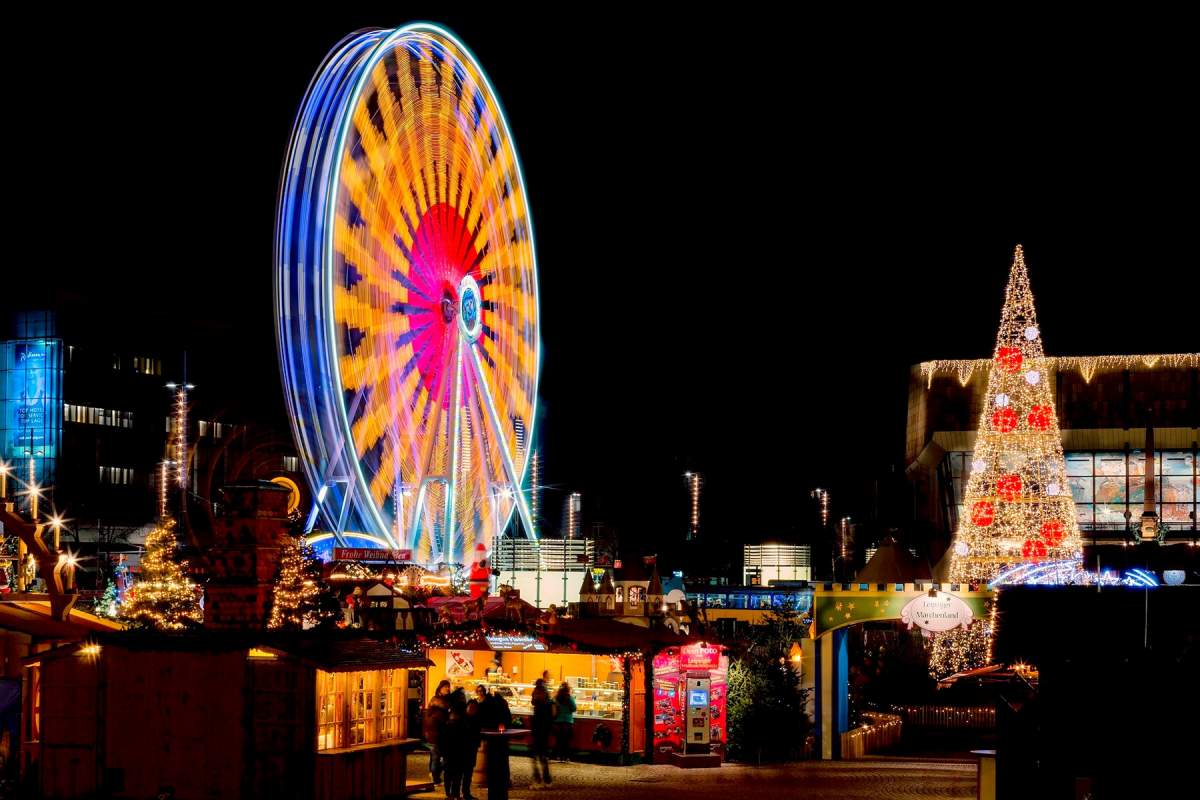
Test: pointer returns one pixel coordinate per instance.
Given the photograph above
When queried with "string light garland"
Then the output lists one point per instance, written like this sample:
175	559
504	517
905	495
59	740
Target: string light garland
163	597
1086	366
1018	512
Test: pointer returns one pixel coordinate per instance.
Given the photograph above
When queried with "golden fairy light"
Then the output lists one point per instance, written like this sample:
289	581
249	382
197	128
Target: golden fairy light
163	597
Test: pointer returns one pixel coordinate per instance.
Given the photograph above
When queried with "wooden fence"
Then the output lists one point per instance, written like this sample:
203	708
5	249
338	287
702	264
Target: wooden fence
975	718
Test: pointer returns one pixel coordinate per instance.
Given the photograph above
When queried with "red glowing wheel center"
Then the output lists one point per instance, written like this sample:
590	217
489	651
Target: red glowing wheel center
443	253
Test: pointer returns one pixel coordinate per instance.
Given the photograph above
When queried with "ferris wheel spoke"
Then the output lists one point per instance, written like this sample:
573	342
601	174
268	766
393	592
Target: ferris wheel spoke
453	443
502	442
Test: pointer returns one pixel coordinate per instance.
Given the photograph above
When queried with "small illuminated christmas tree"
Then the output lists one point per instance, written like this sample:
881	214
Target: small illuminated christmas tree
162	597
1018	506
109	604
296	598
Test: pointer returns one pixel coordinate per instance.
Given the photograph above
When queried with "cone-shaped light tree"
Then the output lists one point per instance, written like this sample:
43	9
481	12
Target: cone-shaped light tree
162	597
1018	506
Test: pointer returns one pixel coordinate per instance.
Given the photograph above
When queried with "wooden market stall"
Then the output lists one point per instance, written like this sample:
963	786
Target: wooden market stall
208	714
603	660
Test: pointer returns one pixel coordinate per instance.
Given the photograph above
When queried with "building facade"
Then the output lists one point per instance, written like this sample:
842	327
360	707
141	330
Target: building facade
1104	404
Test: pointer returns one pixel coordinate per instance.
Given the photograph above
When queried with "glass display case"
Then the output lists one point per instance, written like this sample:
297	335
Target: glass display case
594	699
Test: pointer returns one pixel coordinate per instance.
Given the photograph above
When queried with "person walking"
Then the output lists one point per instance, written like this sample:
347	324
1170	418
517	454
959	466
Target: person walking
432	725
540	724
564	722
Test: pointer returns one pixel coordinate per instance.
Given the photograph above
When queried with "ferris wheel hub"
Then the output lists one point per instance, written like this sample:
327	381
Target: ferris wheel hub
470	318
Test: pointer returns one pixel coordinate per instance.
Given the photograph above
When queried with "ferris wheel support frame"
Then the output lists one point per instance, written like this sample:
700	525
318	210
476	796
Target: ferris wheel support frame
505	457
454	443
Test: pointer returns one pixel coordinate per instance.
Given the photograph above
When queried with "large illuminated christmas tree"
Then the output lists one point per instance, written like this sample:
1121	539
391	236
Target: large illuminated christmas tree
162	597
1018	506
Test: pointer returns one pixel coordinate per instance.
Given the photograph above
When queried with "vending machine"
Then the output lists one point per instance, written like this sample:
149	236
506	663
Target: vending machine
697	740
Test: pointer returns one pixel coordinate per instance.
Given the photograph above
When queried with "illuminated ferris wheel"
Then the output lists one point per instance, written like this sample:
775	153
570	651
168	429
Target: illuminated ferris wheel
406	297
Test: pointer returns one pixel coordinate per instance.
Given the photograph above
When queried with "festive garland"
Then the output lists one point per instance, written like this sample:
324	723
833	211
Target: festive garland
1087	366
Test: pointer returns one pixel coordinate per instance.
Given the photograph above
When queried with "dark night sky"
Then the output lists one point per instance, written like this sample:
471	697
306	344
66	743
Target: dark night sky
746	232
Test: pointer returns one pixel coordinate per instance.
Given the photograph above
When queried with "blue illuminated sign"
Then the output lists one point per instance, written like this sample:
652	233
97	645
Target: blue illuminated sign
31	406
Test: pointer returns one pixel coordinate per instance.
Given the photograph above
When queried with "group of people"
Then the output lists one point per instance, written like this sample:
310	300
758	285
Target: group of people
555	716
454	724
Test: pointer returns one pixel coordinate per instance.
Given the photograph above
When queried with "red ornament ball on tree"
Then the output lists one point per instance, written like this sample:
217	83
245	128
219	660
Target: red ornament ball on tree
983	513
1004	420
1009	358
1033	550
1039	417
1009	486
1053	532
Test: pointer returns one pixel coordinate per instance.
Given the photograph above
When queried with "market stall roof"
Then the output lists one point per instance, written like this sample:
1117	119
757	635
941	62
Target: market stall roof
333	651
345	655
495	609
32	616
601	634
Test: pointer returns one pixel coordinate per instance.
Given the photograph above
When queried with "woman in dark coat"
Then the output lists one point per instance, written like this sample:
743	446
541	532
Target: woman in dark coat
432	725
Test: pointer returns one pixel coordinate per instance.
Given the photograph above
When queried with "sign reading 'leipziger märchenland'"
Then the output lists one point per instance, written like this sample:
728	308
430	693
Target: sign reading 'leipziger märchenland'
936	612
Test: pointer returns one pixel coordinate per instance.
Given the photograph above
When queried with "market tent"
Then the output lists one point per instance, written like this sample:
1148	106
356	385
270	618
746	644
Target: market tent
892	564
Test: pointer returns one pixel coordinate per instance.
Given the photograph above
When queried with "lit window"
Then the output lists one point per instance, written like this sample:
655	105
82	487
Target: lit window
291	463
120	476
89	415
355	708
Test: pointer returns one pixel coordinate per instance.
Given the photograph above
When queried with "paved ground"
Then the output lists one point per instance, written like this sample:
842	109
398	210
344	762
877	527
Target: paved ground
873	779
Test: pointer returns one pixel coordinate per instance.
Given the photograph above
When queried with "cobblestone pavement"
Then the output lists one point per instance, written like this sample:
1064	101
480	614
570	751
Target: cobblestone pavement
844	780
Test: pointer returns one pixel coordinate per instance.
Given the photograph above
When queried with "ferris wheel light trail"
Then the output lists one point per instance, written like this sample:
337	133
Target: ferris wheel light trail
403	236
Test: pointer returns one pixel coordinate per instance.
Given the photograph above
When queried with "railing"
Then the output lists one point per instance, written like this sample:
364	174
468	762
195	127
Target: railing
881	732
1087	528
948	717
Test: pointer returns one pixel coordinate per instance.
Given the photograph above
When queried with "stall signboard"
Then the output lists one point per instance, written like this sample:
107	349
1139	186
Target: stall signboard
523	643
370	554
936	612
700	655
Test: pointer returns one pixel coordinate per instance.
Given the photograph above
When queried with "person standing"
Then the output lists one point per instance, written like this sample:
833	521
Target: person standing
432	725
453	744
495	715
564	722
540	724
474	735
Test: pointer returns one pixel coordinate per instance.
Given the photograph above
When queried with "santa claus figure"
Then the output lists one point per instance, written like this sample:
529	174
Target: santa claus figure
481	573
